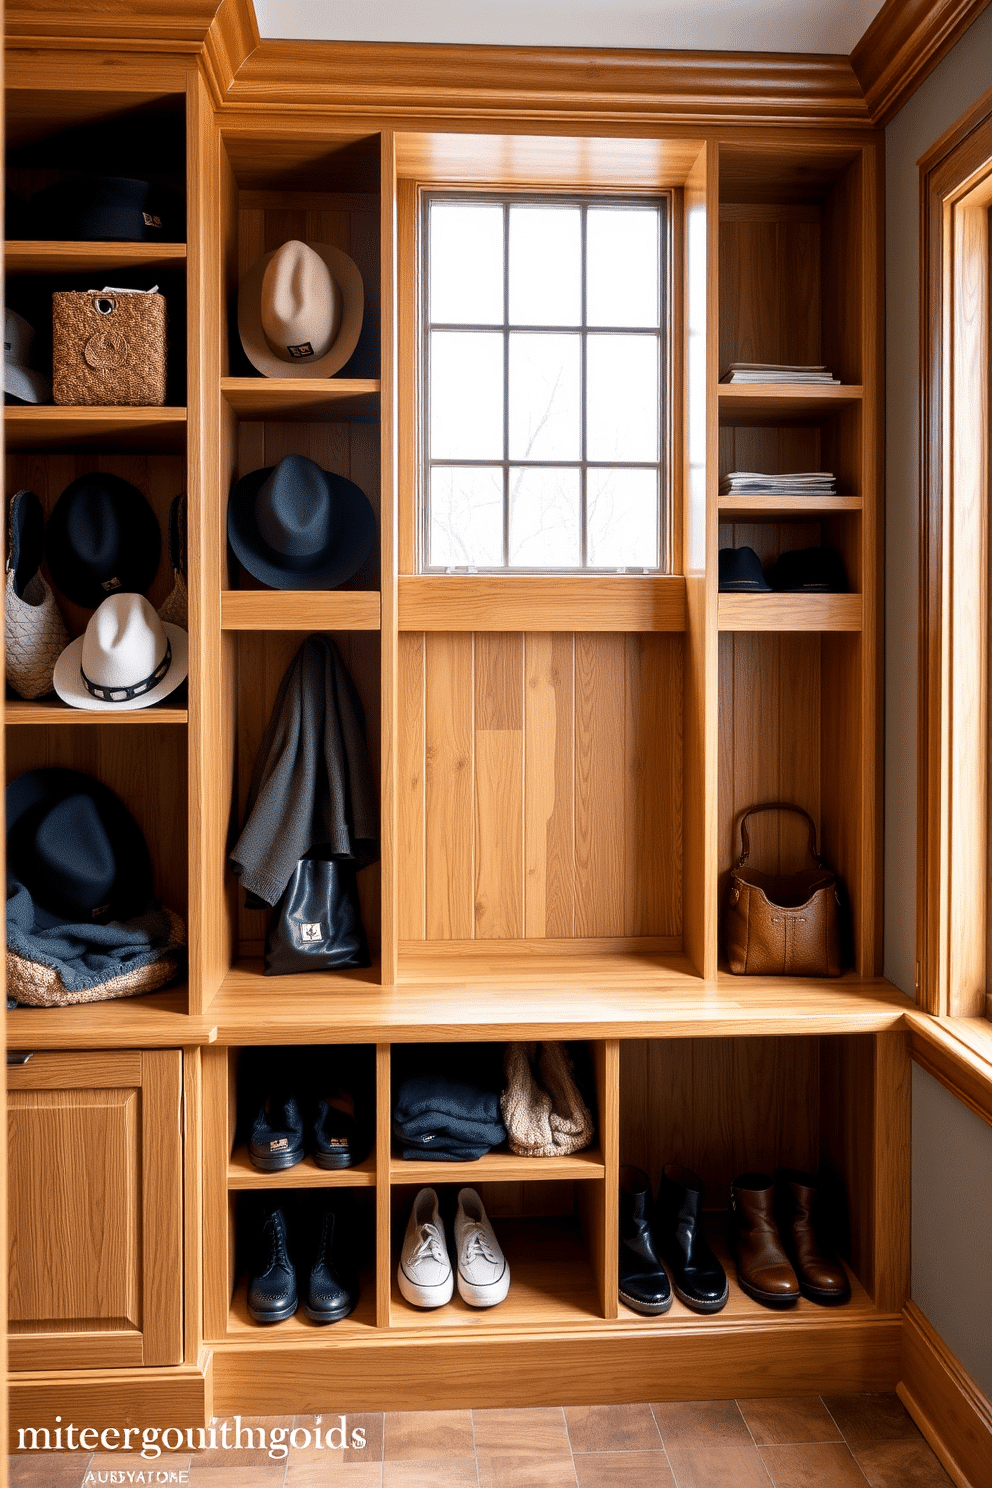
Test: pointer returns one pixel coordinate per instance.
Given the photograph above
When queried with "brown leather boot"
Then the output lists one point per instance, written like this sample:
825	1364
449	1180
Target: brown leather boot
763	1269
822	1278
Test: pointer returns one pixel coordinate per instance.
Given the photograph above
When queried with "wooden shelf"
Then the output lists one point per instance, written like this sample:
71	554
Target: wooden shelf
350	1007
51	257
324	399
157	1020
46	427
360	1324
759	505
587	602
242	1173
551	1285
300	609
791	612
19	713
500	1167
783	403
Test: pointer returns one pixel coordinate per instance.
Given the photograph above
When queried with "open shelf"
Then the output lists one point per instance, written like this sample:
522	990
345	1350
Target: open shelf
300	609
551	1284
790	612
760	505
46	427
783	403
60	713
360	1323
29	257
316	400
349	1007
242	1173
501	1167
156	1020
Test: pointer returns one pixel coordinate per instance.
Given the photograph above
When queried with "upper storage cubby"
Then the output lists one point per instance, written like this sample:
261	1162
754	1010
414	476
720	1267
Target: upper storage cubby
791	260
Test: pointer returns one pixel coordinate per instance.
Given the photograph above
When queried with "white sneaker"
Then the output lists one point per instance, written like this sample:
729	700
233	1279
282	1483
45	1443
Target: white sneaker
424	1272
483	1275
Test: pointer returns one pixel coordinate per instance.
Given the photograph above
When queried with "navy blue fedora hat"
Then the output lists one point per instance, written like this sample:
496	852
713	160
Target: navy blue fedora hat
103	538
76	848
108	209
740	572
296	526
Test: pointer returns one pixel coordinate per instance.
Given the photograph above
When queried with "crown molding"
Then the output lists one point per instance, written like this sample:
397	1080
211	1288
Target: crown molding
903	45
230	40
537	83
129	21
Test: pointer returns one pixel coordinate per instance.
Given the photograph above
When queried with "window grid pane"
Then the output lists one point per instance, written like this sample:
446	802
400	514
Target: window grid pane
545	467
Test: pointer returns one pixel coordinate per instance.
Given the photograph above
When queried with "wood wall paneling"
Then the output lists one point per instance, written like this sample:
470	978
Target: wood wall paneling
541	785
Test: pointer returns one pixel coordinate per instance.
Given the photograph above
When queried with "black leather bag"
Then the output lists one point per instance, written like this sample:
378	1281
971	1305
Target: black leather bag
317	924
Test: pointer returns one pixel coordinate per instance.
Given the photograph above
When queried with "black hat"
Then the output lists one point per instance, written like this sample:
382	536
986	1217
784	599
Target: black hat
25	538
108	209
810	571
740	572
296	526
103	537
76	848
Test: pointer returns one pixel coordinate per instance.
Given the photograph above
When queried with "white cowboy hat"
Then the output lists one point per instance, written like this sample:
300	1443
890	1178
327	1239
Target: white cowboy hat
300	310
126	658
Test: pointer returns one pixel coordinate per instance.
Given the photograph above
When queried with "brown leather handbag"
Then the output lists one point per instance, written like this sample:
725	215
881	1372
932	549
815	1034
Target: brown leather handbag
784	924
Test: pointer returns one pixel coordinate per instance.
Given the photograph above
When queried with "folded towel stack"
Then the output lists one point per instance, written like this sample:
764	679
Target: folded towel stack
443	1119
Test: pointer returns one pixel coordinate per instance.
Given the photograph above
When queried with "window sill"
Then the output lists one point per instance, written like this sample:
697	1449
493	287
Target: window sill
958	1053
543	602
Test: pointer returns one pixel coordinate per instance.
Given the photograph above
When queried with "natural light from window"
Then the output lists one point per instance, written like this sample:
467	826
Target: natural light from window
544	376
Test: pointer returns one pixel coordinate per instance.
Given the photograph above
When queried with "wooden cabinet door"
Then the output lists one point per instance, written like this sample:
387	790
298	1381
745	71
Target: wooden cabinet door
95	1209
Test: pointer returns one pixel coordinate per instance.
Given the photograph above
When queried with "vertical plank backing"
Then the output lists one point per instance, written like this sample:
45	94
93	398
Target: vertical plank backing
162	1206
411	863
498	786
383	1147
448	734
599	782
653	785
549	820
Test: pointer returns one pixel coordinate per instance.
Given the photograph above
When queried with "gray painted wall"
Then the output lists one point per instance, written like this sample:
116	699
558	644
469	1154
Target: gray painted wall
952	1148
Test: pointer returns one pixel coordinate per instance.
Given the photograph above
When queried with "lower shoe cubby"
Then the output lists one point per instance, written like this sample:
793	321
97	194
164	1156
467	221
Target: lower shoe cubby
279	1225
546	1233
833	1106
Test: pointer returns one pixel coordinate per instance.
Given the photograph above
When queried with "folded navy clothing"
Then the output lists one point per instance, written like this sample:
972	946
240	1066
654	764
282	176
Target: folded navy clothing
445	1152
449	1100
461	1128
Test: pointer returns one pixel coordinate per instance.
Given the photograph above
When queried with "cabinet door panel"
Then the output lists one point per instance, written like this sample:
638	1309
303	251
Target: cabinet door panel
95	1192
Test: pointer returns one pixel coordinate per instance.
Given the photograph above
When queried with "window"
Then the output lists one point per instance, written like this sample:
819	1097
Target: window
545	348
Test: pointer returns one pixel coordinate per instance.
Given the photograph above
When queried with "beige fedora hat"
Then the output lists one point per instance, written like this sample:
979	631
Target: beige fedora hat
300	310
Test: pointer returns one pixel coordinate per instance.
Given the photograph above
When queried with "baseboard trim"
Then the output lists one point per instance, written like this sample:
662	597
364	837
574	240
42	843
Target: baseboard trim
957	1416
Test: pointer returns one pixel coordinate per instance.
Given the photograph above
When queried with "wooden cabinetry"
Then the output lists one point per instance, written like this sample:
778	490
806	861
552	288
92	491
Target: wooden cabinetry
95	1195
562	761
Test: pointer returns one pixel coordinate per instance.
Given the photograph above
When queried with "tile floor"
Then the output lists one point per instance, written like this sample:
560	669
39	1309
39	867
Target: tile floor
804	1442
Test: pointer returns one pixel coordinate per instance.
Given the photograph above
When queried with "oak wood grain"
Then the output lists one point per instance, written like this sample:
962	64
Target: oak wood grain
519	602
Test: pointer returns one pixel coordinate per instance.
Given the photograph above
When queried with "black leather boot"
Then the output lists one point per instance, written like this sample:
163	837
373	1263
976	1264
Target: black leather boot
272	1287
644	1283
699	1279
332	1292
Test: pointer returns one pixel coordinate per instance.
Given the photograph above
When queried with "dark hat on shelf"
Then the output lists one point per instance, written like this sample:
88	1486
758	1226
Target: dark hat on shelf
103	538
76	848
740	572
300	310
809	571
22	382
108	209
296	526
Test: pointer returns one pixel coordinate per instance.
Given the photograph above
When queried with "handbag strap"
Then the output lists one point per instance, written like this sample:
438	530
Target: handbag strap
779	806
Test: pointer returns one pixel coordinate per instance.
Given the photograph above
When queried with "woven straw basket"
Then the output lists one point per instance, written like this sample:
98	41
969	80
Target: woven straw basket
108	349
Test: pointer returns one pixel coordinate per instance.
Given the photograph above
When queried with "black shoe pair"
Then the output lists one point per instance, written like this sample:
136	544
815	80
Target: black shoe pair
332	1292
278	1139
672	1228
